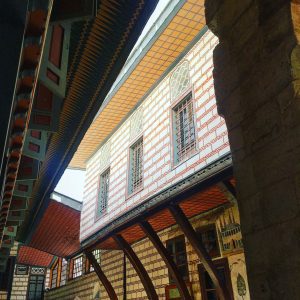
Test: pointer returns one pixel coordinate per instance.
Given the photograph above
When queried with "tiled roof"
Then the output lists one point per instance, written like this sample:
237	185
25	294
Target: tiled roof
33	257
58	230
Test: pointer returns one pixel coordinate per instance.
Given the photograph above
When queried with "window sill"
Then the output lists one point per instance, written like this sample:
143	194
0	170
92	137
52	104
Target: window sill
128	196
176	165
98	217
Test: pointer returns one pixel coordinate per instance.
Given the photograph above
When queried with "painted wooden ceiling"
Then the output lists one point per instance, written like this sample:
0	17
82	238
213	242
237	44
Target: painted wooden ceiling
181	30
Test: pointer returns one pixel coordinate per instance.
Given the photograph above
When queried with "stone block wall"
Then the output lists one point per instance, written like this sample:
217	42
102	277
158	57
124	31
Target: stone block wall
19	287
87	286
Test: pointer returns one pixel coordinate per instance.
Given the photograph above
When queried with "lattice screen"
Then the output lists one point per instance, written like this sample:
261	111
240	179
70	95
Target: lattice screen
136	123
180	80
104	156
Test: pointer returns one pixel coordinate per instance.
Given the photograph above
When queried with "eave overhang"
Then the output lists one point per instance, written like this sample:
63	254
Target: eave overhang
169	37
35	29
99	48
33	257
57	232
198	194
104	44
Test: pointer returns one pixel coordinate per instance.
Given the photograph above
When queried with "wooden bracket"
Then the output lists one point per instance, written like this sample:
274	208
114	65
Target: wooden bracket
161	249
138	266
107	285
197	245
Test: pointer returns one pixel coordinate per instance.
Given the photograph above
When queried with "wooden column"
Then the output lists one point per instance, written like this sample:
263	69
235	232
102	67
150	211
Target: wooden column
153	237
107	285
197	245
139	268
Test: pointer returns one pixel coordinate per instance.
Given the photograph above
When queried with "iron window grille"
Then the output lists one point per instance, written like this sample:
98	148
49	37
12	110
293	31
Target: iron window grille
184	130
103	192
177	250
77	267
96	253
136	167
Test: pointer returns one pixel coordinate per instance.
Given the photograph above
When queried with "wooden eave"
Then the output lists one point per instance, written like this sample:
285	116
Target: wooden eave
104	44
200	193
37	20
165	48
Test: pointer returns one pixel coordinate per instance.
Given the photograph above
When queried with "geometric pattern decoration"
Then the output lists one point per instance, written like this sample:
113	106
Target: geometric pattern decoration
136	123
16	215
28	169
180	80
37	271
45	111
55	58
7	241
18	203
104	158
23	188
10	231
35	144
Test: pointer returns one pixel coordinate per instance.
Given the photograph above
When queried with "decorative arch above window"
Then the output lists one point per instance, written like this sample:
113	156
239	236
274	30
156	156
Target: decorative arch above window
180	80
136	123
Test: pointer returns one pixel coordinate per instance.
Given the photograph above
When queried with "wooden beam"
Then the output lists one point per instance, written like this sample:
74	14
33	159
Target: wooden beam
107	285
161	249
138	266
197	245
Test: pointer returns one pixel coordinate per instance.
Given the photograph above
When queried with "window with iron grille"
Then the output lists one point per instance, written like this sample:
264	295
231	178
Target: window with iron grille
184	129
96	253
103	192
177	250
136	167
77	267
63	276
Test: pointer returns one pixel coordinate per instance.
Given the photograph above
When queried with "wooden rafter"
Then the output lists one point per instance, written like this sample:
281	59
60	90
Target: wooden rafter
102	277
138	266
197	245
161	249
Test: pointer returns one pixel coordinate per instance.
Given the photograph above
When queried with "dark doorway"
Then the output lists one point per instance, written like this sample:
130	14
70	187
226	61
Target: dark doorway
36	287
208	290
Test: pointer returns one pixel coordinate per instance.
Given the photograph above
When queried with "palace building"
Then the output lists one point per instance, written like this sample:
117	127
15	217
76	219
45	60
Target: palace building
162	176
189	138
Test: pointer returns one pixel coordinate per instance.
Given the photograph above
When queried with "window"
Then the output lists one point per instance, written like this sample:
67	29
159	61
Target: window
208	290
54	275
77	267
184	129
176	248
97	256
63	275
208	236
136	167
103	192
